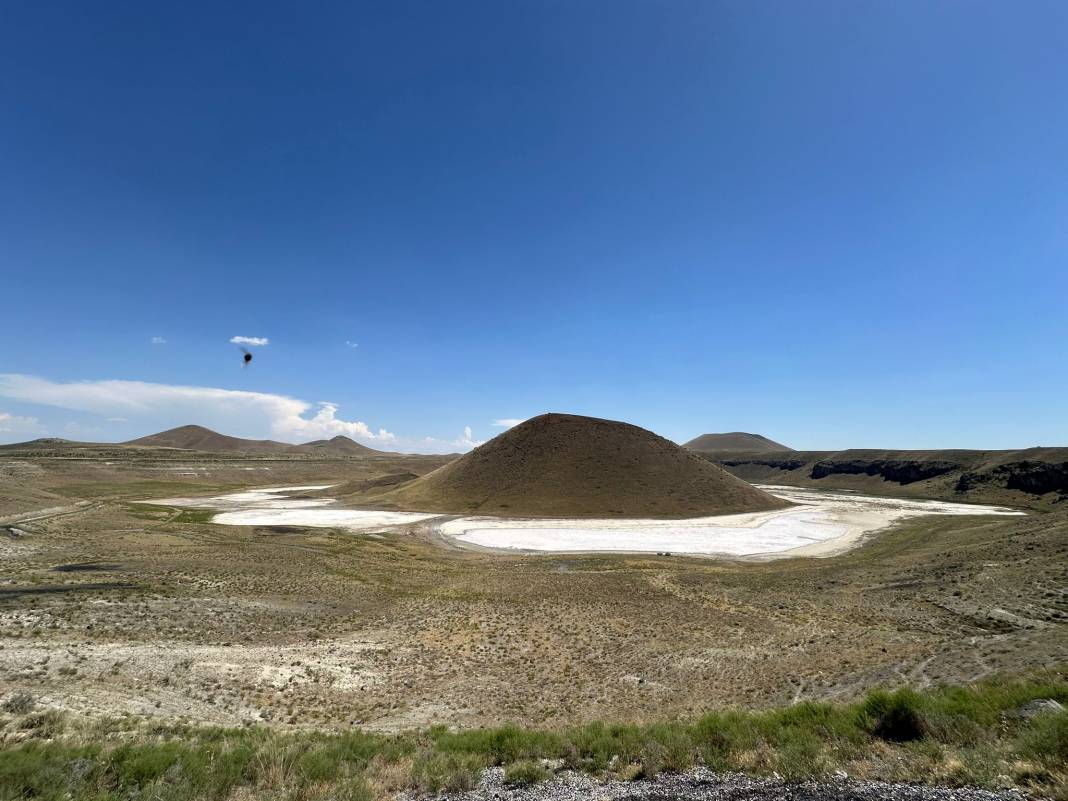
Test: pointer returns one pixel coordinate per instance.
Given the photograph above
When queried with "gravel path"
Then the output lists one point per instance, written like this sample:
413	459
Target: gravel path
703	785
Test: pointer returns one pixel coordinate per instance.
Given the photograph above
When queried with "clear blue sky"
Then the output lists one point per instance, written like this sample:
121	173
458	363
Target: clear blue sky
839	224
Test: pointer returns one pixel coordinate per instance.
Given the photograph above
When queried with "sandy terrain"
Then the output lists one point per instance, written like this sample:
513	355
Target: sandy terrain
113	605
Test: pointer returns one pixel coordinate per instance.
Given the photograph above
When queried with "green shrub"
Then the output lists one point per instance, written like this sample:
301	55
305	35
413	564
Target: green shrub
446	772
595	745
1047	738
956	729
503	745
666	748
800	756
37	770
895	717
320	764
525	772
590	748
135	765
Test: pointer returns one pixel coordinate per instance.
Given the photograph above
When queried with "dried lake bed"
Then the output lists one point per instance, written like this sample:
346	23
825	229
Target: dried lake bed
819	524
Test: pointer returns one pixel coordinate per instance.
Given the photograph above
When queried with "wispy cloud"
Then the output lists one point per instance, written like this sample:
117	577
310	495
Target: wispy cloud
250	340
159	341
13	424
464	443
233	411
349	344
508	422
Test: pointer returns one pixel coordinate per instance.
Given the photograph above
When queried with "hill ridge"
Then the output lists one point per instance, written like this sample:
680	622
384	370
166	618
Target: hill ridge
562	465
199	438
734	441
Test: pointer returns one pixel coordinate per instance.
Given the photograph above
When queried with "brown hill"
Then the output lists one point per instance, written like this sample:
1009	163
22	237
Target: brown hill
734	441
198	438
563	465
341	446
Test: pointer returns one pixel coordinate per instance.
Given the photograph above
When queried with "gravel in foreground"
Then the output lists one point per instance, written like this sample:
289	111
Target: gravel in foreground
702	784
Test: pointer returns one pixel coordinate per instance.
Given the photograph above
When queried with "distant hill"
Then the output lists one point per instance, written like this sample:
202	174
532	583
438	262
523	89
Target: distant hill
734	441
198	438
564	465
50	443
340	446
204	440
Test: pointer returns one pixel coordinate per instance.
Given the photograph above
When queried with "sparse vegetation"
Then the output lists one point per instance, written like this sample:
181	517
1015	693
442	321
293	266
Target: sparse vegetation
278	632
526	772
194	516
957	735
19	703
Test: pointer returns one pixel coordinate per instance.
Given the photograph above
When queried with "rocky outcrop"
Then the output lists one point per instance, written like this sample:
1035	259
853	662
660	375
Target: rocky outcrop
898	470
778	464
1035	478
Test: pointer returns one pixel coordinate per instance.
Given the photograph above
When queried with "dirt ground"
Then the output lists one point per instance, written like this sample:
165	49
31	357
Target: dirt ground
109	607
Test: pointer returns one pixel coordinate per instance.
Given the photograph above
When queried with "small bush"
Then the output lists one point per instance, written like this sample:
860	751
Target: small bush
356	790
667	749
319	765
525	772
39	770
800	757
137	765
952	728
1047	738
45	725
651	760
19	703
504	745
388	777
895	717
446	772
591	748
719	735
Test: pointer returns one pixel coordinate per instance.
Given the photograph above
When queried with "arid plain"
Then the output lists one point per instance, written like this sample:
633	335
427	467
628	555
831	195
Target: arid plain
109	605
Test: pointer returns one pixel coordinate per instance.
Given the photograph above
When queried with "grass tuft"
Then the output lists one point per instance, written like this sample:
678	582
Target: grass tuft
525	773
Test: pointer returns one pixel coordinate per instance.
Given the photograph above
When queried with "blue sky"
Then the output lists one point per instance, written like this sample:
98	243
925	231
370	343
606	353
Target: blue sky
838	224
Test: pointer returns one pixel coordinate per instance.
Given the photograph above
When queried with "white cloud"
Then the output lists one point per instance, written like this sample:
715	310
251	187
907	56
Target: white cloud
464	443
232	411
155	407
349	344
325	424
13	424
250	340
508	422
159	341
